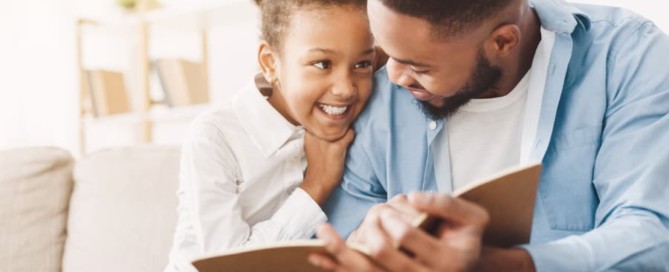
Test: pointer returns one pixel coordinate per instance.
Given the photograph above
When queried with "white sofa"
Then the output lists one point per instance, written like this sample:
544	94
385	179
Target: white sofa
113	210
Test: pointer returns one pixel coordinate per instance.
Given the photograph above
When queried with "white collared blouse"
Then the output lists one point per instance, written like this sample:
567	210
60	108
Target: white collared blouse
241	166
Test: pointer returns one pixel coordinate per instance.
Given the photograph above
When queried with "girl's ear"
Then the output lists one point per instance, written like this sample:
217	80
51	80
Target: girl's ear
268	62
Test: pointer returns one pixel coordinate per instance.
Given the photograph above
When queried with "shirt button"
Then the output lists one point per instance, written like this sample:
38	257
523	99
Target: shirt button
433	125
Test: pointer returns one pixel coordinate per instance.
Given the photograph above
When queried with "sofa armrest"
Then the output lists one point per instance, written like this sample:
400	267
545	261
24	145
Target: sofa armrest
35	188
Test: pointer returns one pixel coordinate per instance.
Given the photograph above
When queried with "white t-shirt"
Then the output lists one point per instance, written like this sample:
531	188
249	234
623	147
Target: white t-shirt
487	136
241	166
484	135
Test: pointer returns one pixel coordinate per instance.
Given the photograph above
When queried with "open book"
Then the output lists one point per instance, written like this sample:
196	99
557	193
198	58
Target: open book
508	197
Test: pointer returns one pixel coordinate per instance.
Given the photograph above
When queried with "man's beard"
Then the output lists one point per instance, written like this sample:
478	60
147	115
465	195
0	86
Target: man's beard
481	80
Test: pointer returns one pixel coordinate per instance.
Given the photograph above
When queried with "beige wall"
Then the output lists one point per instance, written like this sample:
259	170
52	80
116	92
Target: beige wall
39	78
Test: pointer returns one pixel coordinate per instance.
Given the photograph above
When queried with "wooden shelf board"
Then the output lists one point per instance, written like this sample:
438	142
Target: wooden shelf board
157	114
199	17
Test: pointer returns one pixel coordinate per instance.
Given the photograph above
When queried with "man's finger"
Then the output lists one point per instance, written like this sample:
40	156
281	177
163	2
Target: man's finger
421	244
402	205
345	259
323	262
453	210
383	249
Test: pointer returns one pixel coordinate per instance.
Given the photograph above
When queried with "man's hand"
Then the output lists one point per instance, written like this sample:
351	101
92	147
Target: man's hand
325	164
455	247
341	258
457	244
499	259
366	232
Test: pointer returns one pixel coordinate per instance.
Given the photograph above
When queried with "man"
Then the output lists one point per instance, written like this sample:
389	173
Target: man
474	87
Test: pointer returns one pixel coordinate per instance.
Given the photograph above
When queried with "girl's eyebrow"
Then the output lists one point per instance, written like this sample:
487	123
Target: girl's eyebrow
322	50
330	51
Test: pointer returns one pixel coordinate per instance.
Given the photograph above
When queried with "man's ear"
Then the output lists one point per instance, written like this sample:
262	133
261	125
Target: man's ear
267	59
503	39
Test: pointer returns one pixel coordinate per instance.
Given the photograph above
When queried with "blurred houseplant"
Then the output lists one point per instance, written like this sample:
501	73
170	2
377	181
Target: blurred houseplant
138	5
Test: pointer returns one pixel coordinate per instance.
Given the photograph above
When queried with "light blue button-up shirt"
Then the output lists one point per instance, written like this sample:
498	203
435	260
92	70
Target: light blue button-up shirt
603	139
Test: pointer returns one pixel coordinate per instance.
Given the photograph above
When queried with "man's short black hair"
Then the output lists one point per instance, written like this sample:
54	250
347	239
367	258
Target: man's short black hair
449	17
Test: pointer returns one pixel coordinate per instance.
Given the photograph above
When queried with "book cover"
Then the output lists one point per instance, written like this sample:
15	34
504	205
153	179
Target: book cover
184	82
108	92
508	197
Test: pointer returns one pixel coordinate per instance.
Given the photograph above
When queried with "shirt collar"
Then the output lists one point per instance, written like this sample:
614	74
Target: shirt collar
559	16
266	127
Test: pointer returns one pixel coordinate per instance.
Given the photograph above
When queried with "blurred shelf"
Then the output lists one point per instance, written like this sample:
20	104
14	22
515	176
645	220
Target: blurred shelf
164	114
187	17
157	114
130	118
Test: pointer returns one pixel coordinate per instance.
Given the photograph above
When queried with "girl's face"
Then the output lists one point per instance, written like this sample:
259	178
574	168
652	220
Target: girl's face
324	70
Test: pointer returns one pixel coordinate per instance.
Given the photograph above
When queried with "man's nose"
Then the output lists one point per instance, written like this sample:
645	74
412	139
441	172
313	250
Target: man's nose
399	73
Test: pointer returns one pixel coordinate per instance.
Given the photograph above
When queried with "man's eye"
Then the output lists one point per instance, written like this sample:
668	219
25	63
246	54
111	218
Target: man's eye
420	72
323	65
363	65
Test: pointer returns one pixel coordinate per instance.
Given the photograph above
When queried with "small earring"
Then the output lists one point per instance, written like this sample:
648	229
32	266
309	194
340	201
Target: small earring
271	79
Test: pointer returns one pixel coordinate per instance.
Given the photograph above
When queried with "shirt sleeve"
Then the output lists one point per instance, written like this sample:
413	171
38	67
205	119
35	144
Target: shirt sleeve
210	213
358	191
297	218
631	171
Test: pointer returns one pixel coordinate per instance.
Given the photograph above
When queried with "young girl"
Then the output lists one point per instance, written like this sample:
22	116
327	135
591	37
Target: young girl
243	178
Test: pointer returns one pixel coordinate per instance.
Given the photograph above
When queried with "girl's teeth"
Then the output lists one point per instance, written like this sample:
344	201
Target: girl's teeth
332	110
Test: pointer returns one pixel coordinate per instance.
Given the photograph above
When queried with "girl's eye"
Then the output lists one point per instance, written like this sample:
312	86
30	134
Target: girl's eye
323	65
363	65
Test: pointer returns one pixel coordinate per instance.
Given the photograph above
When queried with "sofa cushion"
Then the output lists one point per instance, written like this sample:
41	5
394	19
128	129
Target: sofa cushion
35	187
123	210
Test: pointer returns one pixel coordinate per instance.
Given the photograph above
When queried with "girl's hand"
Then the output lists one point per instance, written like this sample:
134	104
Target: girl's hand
325	165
